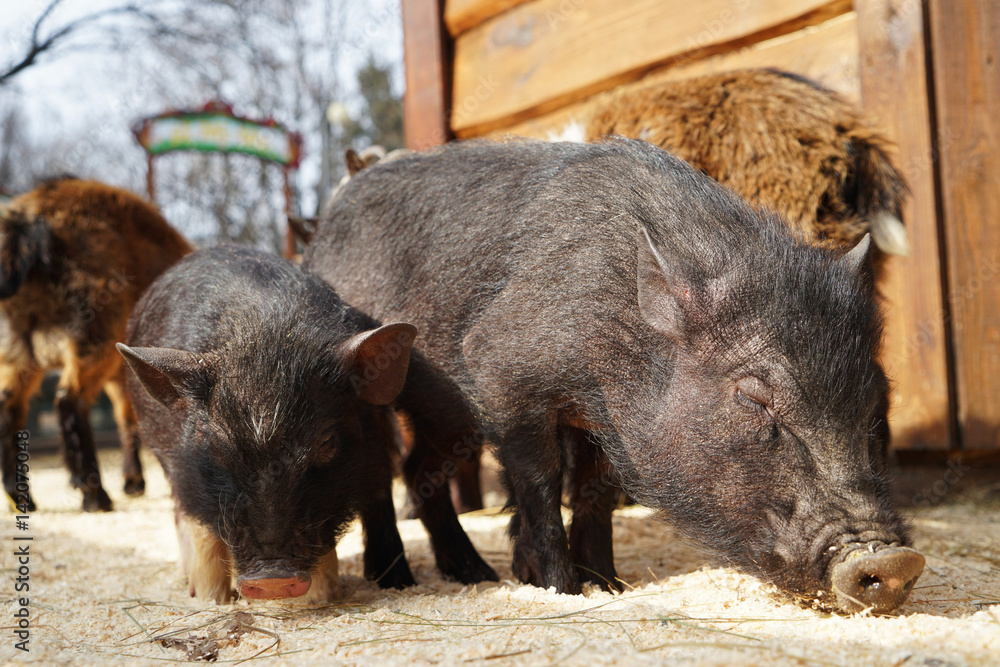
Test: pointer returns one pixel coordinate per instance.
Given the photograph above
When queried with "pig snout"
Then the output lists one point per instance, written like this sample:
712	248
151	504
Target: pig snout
274	588
875	576
273	583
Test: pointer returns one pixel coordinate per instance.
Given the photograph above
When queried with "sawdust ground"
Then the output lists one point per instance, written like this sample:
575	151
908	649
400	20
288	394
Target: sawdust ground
104	586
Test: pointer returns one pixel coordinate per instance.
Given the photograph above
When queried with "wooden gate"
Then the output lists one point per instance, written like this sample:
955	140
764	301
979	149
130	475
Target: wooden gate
927	71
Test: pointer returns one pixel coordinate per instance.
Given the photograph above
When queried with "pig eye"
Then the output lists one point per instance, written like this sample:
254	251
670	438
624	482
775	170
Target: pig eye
322	453
752	393
324	447
746	401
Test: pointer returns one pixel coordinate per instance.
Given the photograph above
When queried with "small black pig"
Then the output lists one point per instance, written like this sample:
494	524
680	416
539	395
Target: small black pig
261	394
609	306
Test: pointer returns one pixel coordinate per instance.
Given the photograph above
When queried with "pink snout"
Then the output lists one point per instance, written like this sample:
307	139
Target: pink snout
276	588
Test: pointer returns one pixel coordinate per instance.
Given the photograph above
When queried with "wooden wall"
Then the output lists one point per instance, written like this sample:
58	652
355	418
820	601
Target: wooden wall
896	93
926	70
427	54
965	42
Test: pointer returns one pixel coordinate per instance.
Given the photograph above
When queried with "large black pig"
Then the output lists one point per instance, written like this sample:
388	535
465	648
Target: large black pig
259	390
609	305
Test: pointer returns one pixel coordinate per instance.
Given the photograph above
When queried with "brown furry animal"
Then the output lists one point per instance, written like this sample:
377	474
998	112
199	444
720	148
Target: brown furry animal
74	258
778	139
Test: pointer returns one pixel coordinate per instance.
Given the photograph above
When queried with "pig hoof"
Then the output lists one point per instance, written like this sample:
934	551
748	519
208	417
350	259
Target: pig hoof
396	577
529	572
606	583
96	500
135	486
879	580
277	588
471	571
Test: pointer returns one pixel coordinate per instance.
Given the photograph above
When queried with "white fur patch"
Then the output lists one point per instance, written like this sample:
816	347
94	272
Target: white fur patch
574	132
205	560
258	423
208	565
890	234
325	586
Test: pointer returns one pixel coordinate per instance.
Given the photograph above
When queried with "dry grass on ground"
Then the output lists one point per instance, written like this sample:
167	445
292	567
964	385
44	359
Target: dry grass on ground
106	589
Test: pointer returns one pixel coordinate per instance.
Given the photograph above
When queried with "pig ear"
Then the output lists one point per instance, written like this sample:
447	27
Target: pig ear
353	161
167	374
303	228
664	292
377	360
859	259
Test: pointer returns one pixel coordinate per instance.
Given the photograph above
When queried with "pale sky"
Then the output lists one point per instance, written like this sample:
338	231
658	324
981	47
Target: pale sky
80	91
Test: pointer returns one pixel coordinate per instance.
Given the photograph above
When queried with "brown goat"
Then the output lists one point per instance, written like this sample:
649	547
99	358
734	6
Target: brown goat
74	258
780	140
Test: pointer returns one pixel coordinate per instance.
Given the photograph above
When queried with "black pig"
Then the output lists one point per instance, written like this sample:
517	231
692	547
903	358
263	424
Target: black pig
609	305
257	387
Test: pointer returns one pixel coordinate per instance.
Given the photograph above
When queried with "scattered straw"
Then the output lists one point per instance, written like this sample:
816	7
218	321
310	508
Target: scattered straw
106	590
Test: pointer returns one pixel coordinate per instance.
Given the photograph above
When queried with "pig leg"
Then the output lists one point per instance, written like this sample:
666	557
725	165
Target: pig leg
592	500
427	482
465	485
533	474
444	432
128	432
385	562
466	490
205	560
16	387
524	430
73	408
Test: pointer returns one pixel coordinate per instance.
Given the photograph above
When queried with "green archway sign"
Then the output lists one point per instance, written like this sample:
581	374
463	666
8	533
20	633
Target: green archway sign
215	128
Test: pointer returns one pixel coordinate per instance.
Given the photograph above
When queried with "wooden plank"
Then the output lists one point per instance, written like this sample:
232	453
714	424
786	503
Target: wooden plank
915	346
546	54
827	53
461	15
965	36
895	94
428	87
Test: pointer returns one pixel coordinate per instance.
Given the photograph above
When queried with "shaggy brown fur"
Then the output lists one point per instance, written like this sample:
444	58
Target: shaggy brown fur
74	258
778	139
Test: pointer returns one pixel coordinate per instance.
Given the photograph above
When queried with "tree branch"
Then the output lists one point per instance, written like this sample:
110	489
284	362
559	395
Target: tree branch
39	46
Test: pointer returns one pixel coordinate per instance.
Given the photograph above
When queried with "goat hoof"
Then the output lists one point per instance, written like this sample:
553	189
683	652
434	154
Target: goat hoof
135	487
96	500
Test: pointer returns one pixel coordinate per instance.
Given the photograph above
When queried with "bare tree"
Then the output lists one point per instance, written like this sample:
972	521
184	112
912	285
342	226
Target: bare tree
11	132
267	58
53	41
